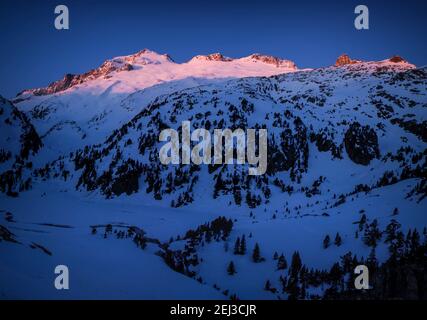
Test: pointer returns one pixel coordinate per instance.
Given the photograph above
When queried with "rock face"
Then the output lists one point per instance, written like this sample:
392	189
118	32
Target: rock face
344	60
396	59
213	57
273	60
71	80
361	144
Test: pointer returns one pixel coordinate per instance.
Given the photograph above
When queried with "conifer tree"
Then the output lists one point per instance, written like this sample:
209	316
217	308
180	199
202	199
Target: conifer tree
415	240
256	255
338	240
391	231
296	265
362	222
293	288
335	274
109	228
267	285
237	246
231	269
243	246
208	236
372	262
282	264
326	242
372	234
283	281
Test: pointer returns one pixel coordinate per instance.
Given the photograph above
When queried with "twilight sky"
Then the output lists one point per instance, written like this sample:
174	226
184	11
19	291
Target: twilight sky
310	32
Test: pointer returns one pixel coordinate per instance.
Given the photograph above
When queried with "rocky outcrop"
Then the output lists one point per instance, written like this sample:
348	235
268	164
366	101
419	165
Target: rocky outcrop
71	80
344	60
361	144
213	57
273	60
142	57
396	59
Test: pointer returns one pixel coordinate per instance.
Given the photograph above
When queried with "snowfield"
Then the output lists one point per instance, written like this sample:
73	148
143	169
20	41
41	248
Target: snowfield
117	269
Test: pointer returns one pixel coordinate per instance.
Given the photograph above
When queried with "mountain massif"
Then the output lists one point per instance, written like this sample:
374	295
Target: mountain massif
346	157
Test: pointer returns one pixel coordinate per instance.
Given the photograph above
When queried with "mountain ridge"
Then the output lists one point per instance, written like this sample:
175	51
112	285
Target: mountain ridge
147	56
308	114
141	58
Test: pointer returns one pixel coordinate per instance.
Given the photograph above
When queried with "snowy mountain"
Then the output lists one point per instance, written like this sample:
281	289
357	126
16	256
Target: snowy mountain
19	143
342	118
84	109
345	183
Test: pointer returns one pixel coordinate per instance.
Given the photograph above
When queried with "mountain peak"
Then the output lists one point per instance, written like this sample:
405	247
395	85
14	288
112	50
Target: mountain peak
144	57
397	59
278	62
117	64
395	63
148	52
344	59
212	57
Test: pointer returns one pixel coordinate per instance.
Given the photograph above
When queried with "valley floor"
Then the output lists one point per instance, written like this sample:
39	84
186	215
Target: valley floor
54	228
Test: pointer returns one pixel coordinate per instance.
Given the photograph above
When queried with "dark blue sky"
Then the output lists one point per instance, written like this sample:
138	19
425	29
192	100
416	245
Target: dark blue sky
311	33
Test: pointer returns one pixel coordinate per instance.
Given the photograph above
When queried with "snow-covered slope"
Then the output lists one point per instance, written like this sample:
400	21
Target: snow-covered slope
19	143
83	109
56	232
326	127
347	162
